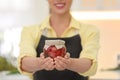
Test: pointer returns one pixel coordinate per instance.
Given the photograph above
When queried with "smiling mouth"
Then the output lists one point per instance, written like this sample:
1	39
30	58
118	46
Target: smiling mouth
60	5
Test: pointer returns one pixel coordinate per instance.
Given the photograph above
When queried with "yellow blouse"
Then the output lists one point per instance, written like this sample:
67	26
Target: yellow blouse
89	34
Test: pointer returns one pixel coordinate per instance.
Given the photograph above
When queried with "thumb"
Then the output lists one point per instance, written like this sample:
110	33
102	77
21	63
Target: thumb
67	55
42	55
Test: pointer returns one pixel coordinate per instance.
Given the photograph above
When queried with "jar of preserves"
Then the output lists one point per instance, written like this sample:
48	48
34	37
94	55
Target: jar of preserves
54	48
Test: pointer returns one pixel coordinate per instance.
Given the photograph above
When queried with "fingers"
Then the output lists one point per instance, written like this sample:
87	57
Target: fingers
59	65
48	62
64	60
49	66
45	63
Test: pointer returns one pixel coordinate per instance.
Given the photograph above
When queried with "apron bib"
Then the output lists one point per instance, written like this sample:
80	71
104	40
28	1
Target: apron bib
74	47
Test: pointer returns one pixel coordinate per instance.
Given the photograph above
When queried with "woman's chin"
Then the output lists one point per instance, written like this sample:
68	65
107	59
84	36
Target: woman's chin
61	12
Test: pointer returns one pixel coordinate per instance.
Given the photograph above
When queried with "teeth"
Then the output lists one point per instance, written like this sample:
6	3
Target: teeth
59	5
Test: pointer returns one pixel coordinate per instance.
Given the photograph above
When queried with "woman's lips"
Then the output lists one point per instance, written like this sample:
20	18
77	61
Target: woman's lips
60	5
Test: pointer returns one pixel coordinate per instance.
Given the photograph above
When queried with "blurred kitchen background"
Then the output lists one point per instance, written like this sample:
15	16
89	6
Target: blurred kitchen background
105	14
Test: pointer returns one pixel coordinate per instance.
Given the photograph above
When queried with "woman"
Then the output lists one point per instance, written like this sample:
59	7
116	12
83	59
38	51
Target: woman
81	41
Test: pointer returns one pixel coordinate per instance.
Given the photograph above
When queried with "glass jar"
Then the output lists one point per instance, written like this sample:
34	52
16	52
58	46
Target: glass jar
54	48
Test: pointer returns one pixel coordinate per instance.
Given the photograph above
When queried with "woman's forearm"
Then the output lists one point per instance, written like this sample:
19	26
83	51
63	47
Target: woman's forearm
80	65
29	64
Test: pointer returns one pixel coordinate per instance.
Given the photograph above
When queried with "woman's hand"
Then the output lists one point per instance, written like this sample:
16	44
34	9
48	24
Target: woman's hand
33	64
45	63
62	63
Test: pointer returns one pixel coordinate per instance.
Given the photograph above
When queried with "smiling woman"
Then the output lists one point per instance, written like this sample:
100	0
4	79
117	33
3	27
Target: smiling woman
81	41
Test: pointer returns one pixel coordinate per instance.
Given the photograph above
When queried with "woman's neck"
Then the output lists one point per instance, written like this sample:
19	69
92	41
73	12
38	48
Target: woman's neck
58	21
